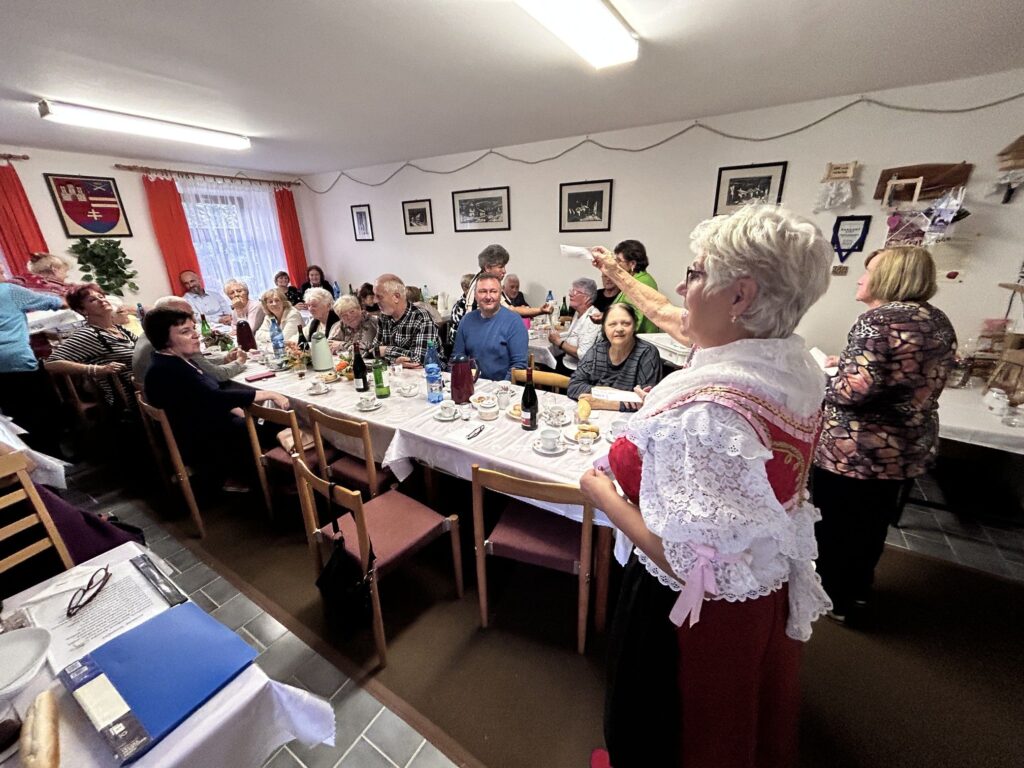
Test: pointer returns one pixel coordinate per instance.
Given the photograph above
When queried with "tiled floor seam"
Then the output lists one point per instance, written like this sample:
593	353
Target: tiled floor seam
357	738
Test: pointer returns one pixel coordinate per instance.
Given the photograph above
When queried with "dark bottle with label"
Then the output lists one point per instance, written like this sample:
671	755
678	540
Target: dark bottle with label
302	341
530	403
359	370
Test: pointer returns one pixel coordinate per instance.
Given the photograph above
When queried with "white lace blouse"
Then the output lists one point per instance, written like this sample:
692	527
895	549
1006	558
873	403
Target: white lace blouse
704	488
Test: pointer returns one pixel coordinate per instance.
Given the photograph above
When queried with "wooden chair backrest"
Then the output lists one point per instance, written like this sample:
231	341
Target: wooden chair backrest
310	484
285	419
159	417
555	382
555	493
15	466
359	430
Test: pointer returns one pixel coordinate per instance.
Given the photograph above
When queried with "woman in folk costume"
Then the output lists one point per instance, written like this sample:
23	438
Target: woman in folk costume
720	589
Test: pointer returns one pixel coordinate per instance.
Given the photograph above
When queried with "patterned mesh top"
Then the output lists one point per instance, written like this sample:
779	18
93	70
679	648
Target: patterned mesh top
881	408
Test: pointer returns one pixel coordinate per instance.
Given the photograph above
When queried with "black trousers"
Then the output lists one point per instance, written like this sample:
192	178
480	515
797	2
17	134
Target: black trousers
28	397
855	517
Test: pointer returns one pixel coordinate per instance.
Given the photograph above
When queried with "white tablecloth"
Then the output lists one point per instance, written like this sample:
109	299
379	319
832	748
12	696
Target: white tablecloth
543	352
241	725
965	418
50	319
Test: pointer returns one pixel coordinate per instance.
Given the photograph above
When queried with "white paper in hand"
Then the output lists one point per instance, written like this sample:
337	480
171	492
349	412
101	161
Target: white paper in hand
820	358
616	395
576	252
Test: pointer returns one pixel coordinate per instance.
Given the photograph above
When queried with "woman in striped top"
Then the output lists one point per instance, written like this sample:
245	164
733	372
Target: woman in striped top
99	349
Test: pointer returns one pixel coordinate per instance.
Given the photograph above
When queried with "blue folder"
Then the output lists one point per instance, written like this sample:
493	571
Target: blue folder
162	670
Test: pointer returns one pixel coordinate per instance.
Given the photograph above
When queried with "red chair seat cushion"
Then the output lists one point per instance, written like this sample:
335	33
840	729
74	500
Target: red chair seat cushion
350	472
397	526
538	537
279	458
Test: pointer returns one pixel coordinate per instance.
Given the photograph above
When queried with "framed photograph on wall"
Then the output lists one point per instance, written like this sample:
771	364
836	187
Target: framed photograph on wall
362	225
474	210
418	218
739	185
585	206
88	206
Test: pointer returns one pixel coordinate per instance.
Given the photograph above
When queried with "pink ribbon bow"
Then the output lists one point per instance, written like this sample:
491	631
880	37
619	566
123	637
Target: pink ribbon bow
700	581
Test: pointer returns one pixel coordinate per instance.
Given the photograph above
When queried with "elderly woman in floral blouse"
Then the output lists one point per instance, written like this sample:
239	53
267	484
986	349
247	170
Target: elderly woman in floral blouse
881	418
355	325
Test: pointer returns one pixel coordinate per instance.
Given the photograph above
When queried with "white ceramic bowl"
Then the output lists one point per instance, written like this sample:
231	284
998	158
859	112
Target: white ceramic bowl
23	652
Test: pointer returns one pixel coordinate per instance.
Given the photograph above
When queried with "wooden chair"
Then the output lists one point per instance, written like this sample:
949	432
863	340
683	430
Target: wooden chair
14	467
178	472
363	474
555	382
276	458
397	526
534	536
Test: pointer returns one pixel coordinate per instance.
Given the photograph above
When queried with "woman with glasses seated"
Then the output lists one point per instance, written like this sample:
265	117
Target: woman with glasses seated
582	333
618	360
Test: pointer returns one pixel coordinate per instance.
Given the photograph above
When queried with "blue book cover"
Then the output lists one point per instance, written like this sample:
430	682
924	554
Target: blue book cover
138	687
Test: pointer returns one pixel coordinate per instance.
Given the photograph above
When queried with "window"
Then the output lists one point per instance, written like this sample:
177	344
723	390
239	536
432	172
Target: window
235	231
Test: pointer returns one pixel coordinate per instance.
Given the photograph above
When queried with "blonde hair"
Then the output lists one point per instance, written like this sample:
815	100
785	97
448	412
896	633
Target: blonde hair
285	304
903	273
345	303
43	263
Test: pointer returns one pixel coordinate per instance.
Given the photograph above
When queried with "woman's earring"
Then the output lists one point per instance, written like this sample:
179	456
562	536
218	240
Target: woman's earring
734	318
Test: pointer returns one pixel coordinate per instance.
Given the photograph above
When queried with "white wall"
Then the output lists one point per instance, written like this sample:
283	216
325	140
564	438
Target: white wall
661	194
141	247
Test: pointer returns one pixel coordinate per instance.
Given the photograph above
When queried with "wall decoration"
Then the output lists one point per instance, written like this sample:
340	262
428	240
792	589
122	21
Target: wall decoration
936	179
836	186
362	224
742	184
849	234
906	227
481	209
1011	169
585	206
88	206
902	186
418	217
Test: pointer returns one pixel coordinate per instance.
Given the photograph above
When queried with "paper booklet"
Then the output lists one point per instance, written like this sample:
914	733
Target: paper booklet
819	358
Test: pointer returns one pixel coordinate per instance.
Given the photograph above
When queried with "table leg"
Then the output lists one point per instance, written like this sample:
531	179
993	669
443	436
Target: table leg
430	485
602	565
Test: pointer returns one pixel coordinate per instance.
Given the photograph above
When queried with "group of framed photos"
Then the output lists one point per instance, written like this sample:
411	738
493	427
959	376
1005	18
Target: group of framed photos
583	206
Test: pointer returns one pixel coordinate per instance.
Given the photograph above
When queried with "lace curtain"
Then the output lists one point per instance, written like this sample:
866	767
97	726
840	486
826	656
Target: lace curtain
236	232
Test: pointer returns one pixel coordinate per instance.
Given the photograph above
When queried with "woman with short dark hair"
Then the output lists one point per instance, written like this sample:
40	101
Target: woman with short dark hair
283	281
632	256
315	278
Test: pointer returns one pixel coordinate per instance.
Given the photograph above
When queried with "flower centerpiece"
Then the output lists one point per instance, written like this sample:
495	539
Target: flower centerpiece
218	340
295	357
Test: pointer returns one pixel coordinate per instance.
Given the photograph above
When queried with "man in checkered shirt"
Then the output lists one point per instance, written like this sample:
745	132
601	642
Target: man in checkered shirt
403	330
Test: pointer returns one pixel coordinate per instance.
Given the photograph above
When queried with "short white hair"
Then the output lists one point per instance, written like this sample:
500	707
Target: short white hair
172	302
345	303
318	294
587	286
239	283
390	284
786	255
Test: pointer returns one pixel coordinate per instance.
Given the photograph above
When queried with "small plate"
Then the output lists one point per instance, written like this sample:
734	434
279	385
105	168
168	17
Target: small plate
23	652
569	433
479	401
513	415
562	448
439	417
311	393
373	407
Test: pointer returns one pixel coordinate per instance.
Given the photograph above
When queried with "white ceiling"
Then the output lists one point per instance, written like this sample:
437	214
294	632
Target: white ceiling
329	84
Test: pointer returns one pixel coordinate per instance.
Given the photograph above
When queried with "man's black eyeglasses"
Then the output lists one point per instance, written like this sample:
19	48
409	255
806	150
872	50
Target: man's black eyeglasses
84	595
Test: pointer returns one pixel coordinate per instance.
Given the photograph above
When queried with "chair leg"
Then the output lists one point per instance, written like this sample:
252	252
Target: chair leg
602	564
430	485
158	458
190	500
582	606
456	553
378	623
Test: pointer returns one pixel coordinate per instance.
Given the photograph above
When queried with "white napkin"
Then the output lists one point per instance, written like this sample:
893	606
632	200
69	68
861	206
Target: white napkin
575	252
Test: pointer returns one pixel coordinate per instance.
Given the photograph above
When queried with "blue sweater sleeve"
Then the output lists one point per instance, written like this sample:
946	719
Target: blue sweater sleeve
518	342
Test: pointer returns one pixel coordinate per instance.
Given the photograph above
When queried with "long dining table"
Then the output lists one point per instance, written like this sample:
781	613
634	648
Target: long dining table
406	430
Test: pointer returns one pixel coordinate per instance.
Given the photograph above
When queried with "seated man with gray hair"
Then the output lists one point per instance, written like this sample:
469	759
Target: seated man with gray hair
221	366
573	343
404	330
242	307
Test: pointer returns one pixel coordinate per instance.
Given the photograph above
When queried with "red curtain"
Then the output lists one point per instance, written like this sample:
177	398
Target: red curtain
291	235
20	235
171	228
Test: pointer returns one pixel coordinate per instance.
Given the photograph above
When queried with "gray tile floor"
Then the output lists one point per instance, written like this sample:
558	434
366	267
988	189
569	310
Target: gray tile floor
368	735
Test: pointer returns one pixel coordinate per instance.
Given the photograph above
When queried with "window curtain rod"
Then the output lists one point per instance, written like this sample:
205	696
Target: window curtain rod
7	157
192	174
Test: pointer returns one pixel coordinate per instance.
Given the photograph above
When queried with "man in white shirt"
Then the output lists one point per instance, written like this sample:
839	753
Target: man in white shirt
213	305
242	307
573	343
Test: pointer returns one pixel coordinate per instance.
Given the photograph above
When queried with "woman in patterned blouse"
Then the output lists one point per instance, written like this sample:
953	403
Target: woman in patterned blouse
881	424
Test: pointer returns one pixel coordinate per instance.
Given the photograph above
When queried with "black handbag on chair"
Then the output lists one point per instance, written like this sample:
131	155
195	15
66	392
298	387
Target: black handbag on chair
342	584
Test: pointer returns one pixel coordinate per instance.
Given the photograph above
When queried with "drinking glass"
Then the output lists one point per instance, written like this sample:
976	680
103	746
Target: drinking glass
586	441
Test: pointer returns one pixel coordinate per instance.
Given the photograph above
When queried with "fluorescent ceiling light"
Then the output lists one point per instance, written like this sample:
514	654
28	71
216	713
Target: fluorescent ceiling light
88	117
592	28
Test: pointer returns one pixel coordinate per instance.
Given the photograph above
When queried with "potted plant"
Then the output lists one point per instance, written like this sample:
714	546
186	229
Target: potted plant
104	262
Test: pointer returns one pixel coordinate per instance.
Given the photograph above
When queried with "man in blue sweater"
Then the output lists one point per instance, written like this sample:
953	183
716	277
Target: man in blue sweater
491	334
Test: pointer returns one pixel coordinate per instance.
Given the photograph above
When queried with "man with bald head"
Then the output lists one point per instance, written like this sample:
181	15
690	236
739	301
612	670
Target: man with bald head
403	329
214	306
221	367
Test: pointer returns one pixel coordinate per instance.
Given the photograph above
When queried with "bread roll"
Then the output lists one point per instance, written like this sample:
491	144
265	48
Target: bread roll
40	734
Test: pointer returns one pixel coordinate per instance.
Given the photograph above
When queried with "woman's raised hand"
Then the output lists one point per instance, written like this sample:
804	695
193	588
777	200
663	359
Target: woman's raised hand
602	258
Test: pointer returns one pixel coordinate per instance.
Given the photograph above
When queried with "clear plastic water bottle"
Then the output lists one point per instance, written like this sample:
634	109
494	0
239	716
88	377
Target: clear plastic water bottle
141	312
336	290
276	338
431	356
550	298
426	293
435	386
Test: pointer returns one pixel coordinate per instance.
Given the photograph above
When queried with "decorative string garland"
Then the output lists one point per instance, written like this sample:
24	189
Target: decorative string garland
692	126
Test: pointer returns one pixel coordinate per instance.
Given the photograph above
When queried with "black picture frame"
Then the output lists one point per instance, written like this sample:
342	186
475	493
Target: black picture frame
481	210
418	217
585	206
362	222
739	185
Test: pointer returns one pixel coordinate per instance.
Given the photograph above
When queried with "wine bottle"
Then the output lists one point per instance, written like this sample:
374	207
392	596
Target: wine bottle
380	379
302	342
530	403
204	327
141	312
565	308
350	291
359	369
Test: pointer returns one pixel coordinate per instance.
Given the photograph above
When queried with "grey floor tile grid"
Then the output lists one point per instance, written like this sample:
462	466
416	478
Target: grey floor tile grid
368	734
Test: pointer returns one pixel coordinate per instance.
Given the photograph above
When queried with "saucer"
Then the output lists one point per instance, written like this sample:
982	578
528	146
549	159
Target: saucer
562	448
311	393
439	417
373	407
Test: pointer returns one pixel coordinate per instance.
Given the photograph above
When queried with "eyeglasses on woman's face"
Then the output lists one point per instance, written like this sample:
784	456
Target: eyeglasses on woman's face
693	273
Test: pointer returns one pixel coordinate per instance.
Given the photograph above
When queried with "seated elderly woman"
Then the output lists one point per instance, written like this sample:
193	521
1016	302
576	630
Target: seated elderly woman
284	281
320	303
205	414
618	360
242	307
713	469
277	307
100	348
354	326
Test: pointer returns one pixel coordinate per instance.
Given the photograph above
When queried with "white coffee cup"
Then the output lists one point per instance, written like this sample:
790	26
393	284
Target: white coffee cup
317	387
618	427
504	397
367	400
448	409
549	439
556	415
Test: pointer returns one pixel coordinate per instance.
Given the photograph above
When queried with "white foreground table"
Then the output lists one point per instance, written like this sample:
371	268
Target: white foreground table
965	418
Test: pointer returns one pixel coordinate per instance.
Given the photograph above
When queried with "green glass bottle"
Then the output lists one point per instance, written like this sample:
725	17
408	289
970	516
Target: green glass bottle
204	327
380	379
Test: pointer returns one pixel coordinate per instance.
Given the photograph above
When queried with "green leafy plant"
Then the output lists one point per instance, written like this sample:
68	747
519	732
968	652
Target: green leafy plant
104	262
